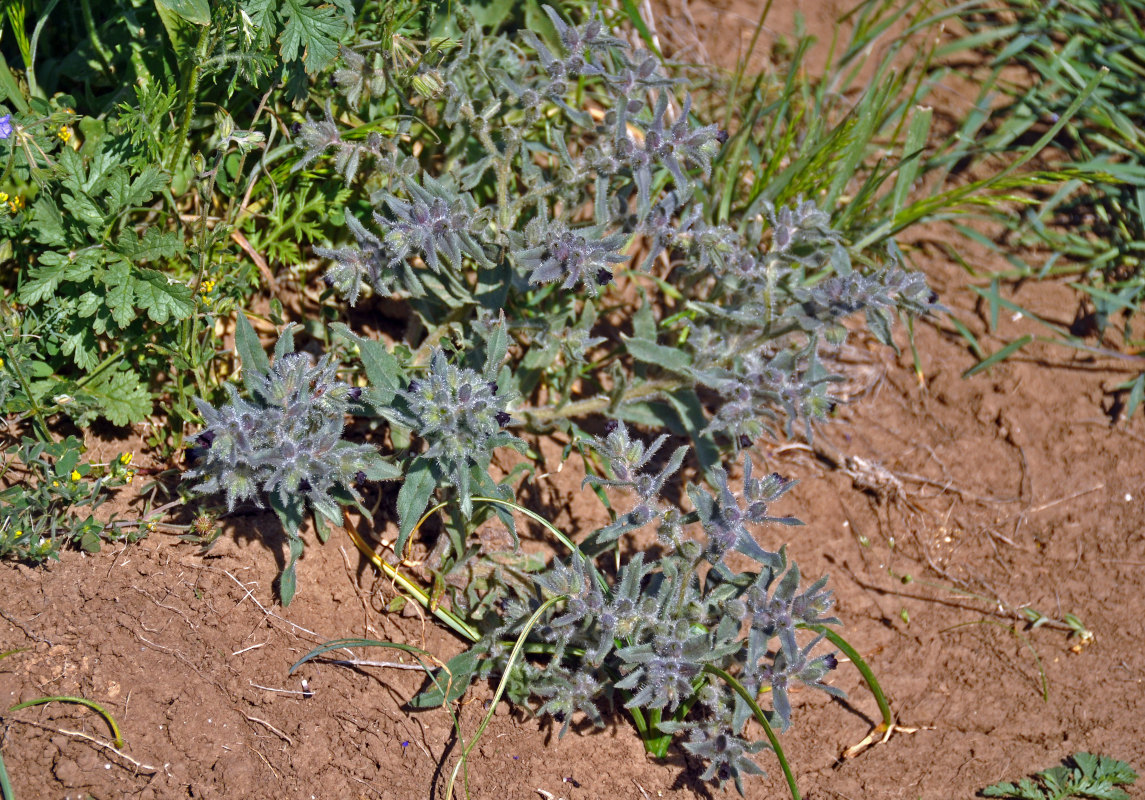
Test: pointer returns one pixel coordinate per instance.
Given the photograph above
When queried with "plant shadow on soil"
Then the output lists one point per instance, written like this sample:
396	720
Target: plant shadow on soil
1012	485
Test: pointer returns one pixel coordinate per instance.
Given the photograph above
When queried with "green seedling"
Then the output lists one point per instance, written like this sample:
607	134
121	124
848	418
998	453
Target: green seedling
1082	775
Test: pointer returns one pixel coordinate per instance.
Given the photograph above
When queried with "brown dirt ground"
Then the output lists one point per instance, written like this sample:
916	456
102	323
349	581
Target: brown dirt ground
1013	485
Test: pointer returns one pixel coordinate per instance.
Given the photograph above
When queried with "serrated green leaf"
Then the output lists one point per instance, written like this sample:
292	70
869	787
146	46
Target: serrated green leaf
162	299
44	280
122	399
47	222
120	293
154	244
80	344
84	210
310	32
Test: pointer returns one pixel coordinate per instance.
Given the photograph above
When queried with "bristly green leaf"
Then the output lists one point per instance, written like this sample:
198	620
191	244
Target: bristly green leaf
383	370
253	357
648	352
413	498
196	12
449	683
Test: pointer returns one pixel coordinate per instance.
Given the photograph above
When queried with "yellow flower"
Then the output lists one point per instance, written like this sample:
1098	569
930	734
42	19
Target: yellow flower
75	476
130	474
19	533
206	287
3	197
55	483
16	204
1	363
64	133
125	459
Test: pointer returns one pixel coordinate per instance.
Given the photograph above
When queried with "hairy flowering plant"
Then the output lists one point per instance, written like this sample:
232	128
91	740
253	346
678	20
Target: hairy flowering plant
538	205
284	446
563	157
680	641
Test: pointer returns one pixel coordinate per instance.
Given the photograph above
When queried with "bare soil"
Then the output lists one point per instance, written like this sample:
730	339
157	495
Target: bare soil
1017	487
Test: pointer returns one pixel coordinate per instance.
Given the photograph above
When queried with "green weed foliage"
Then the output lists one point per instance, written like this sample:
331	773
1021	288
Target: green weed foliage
1083	775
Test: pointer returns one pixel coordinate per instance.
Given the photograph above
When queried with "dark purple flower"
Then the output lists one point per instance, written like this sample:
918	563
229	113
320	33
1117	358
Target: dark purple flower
5	126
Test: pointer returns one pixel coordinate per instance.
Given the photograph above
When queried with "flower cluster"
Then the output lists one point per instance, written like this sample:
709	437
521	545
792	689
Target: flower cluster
461	414
287	442
552	252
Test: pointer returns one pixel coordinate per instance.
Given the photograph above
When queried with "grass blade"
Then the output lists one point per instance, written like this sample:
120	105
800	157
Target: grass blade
83	701
999	356
761	718
513	656
6	791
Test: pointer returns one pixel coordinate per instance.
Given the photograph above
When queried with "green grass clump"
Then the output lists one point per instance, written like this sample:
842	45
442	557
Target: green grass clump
1089	225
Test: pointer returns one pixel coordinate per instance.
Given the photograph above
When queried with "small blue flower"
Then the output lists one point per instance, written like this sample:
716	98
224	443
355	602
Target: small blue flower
5	126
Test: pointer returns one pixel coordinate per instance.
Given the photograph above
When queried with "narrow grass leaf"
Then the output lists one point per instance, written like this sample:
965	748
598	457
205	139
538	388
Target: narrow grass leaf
509	664
117	737
999	356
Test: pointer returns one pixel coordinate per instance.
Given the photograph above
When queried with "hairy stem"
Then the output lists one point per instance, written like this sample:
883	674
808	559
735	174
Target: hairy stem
190	90
599	403
37	412
96	43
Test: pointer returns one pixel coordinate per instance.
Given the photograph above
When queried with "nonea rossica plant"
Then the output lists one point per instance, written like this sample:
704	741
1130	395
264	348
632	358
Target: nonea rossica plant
538	206
681	640
285	445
